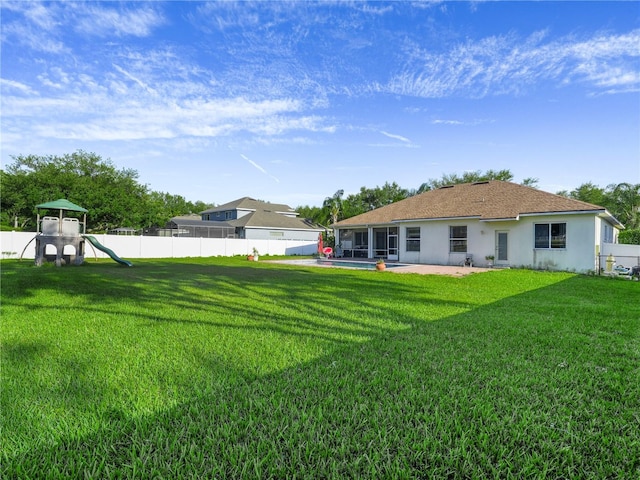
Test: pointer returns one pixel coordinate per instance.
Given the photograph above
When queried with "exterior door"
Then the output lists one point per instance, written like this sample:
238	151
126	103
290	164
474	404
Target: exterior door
380	243
385	243
393	243
502	247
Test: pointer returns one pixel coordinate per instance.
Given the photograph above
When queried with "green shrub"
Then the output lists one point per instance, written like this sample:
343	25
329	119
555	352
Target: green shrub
630	236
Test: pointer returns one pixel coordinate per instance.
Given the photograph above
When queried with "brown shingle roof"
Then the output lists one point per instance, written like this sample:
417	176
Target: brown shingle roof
493	200
247	203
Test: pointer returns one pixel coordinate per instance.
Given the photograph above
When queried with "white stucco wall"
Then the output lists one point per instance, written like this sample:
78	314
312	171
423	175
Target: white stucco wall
580	254
583	235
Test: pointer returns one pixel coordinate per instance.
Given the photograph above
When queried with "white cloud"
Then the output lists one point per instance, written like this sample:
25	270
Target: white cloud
259	168
17	86
33	38
395	137
45	27
441	121
447	122
135	79
265	74
41	16
505	64
254	163
138	22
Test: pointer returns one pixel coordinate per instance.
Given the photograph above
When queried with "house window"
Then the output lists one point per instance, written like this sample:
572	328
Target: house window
413	239
608	234
228	215
550	235
361	239
458	239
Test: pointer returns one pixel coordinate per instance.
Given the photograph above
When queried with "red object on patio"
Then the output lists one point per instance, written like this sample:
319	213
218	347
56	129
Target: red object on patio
327	251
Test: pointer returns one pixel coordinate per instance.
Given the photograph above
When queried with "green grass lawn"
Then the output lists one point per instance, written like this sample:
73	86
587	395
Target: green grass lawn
223	368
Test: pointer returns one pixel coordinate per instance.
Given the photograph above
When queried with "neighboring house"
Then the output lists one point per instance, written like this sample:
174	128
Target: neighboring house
517	225
257	220
193	226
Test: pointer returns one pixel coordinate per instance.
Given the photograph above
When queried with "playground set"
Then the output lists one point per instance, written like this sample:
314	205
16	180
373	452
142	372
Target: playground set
66	235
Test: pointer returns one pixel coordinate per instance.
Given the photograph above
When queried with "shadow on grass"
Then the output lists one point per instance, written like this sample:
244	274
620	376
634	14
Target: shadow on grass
521	386
230	296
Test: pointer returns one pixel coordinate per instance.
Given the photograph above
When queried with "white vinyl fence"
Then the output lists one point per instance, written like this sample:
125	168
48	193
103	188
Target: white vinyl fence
12	244
624	255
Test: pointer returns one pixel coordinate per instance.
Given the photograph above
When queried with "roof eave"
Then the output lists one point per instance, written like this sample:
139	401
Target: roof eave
500	219
611	219
310	229
435	219
600	212
404	220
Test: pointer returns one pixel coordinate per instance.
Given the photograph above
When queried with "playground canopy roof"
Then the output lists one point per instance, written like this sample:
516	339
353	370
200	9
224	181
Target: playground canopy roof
62	204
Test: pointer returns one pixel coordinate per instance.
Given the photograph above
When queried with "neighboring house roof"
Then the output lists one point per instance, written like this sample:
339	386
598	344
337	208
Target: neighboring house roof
269	219
492	200
264	215
247	203
196	221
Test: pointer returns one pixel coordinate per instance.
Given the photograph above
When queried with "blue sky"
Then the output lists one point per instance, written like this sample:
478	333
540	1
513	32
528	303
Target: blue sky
291	101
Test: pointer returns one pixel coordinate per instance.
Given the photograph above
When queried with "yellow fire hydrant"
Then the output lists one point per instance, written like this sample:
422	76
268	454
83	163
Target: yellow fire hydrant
610	261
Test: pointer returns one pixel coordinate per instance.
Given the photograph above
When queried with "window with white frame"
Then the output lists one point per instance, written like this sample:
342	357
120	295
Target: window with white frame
413	239
550	235
608	234
458	239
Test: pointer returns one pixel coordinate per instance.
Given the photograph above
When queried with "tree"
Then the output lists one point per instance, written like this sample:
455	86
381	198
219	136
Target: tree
333	206
371	198
469	177
530	182
590	193
13	205
314	214
162	206
113	197
630	236
623	201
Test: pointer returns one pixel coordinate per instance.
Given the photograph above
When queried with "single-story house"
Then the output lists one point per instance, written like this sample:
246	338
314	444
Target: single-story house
496	222
258	220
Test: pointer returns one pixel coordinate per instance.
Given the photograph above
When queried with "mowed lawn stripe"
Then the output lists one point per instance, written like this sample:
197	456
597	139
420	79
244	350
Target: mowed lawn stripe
221	368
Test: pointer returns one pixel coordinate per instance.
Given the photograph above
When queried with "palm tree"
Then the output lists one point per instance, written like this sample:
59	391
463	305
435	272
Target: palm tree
334	206
625	203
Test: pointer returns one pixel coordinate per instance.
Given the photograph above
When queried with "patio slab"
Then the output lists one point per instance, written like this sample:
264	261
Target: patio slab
456	271
439	270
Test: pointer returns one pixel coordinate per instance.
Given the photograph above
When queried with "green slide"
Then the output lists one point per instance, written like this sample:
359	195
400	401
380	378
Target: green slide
108	251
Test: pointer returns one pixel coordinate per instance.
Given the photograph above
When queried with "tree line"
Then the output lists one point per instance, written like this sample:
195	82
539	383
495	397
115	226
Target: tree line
622	200
115	198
